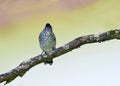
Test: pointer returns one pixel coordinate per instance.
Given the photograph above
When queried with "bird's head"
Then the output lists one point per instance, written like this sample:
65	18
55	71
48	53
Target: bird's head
48	27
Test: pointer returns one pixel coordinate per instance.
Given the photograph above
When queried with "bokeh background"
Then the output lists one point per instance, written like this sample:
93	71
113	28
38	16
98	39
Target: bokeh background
96	64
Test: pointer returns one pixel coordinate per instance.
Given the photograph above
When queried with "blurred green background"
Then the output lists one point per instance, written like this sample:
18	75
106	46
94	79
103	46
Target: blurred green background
21	21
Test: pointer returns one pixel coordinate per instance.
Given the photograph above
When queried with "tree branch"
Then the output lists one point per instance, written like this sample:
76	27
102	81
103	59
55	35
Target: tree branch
26	65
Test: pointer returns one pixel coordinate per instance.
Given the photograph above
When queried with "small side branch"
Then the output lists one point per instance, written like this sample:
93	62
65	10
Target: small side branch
26	65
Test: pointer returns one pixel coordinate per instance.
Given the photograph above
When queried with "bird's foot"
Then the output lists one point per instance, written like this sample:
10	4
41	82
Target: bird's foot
50	62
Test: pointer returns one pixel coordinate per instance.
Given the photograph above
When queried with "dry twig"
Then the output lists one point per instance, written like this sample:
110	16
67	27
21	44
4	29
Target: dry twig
26	65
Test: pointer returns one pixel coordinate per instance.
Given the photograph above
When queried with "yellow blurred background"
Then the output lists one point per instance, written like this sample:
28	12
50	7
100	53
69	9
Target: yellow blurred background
21	21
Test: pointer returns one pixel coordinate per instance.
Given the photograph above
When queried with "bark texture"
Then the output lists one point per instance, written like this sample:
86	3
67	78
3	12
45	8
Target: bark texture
24	66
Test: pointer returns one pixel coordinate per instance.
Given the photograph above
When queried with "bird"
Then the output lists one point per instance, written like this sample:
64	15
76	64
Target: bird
47	41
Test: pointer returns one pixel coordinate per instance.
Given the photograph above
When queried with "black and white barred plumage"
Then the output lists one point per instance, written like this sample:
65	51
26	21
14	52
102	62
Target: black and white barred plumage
47	40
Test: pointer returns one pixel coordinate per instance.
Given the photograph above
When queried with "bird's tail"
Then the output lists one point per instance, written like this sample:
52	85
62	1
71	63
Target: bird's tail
50	62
